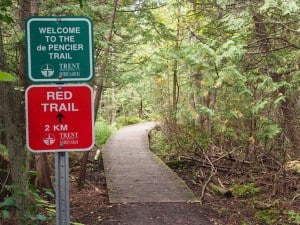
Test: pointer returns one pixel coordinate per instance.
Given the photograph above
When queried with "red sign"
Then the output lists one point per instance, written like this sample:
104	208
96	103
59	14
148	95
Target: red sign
59	118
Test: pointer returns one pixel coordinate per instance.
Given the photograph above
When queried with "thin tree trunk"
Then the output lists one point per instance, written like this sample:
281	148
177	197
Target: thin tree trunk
43	178
99	92
3	67
114	106
288	120
175	87
195	98
4	165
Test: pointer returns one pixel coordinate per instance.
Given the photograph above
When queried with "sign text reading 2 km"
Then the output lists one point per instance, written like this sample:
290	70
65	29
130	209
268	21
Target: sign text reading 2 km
59	49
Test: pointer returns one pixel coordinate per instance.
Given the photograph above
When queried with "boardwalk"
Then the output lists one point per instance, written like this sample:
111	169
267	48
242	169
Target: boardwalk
134	174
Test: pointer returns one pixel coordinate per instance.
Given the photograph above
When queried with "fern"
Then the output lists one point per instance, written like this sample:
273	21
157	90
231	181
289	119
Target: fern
233	23
205	110
268	132
286	7
289	6
260	105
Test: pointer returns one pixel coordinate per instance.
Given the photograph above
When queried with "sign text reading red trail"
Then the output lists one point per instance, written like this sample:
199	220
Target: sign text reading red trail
59	118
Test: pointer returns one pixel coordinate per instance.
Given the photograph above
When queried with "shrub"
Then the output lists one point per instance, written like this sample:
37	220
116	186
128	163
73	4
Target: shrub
102	132
125	121
245	190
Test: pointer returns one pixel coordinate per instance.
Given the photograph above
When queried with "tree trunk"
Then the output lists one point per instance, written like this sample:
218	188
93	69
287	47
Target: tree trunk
114	108
195	99
3	67
289	124
3	63
13	113
14	123
288	120
43	172
43	178
175	88
99	91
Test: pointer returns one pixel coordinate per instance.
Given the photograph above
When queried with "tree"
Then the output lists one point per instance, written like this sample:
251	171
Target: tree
99	85
238	68
13	113
277	41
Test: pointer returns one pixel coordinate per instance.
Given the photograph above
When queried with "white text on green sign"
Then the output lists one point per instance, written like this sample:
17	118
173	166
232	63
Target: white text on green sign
59	49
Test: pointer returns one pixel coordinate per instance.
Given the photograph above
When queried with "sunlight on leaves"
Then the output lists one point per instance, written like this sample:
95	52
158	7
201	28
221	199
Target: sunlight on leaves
6	77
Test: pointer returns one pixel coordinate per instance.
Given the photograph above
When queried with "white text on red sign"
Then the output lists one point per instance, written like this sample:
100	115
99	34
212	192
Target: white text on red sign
59	107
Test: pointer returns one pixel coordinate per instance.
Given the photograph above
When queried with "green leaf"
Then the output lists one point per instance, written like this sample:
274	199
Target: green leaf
268	4
8	201
289	7
259	106
40	217
3	152
206	110
6	77
5	213
6	18
280	99
5	3
269	131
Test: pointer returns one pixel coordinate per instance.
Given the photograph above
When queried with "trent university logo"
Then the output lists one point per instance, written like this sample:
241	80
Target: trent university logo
47	70
49	139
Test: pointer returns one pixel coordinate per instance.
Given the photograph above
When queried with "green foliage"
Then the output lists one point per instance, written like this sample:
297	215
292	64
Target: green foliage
161	146
6	77
39	211
294	216
3	152
285	7
130	120
102	132
259	106
246	190
268	216
4	14
6	204
268	131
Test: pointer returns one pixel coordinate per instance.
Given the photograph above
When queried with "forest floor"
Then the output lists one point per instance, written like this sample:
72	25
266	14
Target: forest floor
257	195
267	202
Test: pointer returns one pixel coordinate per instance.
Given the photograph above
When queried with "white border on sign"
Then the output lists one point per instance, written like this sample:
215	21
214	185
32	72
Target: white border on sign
29	63
59	150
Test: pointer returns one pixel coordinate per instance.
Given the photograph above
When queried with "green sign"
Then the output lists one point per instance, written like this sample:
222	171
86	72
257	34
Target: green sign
59	49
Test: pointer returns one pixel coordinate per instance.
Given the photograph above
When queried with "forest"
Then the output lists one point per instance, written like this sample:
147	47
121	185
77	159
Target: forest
220	76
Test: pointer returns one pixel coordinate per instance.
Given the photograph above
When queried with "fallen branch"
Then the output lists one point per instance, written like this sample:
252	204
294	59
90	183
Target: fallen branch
295	197
206	184
204	164
218	190
227	154
213	171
